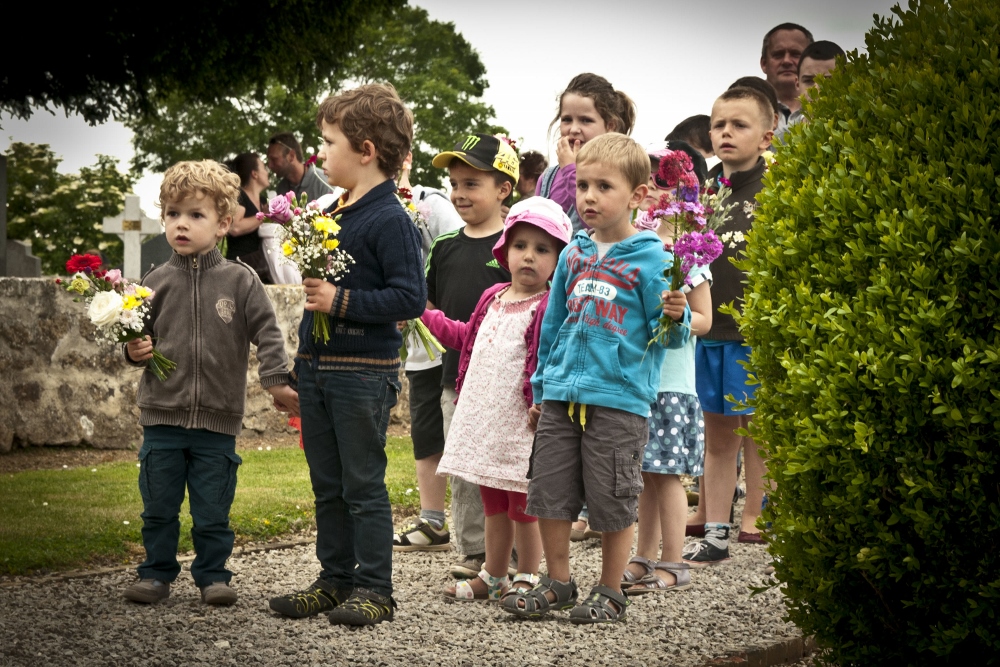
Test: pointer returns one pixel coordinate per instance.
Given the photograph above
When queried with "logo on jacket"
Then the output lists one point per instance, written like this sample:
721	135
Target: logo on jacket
226	308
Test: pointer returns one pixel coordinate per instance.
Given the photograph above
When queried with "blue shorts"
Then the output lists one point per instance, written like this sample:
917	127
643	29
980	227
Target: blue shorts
718	374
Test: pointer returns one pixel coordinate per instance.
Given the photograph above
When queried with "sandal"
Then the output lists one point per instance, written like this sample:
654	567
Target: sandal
598	607
464	592
536	604
629	579
527	581
653	584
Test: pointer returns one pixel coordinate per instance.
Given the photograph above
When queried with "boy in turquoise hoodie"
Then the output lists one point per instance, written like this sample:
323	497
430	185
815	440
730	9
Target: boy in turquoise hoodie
597	376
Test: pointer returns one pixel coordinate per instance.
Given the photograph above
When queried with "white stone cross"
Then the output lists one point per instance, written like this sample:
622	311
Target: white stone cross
132	225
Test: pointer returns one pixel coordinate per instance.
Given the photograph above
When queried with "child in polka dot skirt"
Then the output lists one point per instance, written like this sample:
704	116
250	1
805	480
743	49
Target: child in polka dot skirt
676	443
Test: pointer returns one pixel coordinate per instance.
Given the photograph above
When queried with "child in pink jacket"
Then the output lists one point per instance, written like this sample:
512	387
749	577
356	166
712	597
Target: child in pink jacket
489	442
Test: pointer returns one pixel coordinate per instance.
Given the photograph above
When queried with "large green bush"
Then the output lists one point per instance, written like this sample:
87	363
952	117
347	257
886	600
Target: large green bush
872	307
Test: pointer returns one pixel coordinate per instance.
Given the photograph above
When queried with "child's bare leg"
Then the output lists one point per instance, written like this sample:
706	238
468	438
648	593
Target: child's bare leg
555	545
754	467
499	542
721	446
649	524
673	516
699	516
432	486
529	546
615	550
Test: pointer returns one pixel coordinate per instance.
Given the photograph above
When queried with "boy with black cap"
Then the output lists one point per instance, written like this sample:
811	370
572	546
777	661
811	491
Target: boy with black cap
483	170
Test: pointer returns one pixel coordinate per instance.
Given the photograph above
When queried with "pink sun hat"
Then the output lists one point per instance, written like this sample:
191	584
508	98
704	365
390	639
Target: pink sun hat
540	212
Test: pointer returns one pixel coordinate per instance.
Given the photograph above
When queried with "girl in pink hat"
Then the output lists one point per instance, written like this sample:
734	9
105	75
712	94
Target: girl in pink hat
489	443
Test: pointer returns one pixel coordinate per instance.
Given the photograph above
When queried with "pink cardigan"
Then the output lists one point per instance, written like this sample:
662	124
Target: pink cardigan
461	336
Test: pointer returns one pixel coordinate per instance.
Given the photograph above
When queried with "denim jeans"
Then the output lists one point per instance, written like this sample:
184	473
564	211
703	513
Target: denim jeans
344	418
172	458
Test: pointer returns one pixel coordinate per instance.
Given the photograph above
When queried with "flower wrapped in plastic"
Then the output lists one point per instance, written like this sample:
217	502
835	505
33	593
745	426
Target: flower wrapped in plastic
415	327
691	214
308	239
116	306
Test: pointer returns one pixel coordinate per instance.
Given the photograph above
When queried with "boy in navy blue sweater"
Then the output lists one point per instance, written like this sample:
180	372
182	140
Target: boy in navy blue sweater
347	386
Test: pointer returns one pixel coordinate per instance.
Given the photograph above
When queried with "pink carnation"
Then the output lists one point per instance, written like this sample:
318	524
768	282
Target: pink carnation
114	276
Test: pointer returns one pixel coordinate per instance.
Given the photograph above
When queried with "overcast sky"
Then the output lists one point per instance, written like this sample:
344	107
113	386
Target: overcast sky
673	58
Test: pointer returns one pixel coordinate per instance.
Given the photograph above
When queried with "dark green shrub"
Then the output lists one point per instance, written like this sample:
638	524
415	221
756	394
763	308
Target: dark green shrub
872	307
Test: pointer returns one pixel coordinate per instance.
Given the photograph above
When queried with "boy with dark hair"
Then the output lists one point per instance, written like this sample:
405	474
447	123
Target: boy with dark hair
204	316
350	383
597	376
460	267
694	131
742	122
285	158
766	89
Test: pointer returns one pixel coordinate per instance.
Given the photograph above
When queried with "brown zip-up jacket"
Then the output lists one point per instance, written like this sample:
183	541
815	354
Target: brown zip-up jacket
727	282
204	314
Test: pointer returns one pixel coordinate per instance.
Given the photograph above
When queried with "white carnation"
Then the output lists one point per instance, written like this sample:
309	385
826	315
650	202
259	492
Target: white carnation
105	308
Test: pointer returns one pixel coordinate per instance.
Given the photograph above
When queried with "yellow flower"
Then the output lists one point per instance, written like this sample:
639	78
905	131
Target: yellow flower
325	224
287	248
131	302
331	244
142	292
79	284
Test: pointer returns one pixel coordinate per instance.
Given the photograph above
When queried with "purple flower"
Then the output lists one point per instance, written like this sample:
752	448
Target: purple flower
646	221
280	209
697	249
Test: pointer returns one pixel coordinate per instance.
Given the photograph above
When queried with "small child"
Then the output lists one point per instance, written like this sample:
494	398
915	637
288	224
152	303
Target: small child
597	376
437	216
350	383
204	316
588	108
460	267
676	430
489	442
742	129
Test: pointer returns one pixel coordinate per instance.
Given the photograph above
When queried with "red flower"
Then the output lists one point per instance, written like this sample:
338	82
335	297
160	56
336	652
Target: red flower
405	193
84	263
311	161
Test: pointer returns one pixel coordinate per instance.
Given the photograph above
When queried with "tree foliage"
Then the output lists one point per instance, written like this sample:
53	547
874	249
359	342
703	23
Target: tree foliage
117	59
435	70
871	306
62	214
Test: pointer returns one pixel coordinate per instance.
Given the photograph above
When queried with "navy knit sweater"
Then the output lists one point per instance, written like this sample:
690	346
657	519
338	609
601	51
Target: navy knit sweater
384	285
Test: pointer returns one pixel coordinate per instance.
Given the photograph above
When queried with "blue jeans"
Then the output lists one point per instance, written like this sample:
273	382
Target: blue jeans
172	458
344	418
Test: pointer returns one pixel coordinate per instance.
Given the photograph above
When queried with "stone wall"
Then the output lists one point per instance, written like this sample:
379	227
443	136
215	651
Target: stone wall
61	387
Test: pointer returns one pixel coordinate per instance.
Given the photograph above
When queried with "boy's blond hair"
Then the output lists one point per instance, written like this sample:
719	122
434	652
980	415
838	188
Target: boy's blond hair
207	178
372	112
619	152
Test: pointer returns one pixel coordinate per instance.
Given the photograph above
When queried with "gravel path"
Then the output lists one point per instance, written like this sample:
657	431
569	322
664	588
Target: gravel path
85	621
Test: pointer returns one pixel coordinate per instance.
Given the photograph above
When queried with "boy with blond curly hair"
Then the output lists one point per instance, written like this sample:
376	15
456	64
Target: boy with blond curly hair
190	420
349	383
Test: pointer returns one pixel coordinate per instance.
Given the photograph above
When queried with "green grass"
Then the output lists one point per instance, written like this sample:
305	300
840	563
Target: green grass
61	519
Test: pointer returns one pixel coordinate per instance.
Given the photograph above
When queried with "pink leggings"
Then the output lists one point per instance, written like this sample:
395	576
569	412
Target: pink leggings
497	501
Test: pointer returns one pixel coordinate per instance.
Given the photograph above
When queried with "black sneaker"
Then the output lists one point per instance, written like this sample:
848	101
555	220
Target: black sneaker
320	598
364	607
700	554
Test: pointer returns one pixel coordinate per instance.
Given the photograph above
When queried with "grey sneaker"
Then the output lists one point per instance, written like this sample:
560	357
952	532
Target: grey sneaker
148	591
218	593
468	567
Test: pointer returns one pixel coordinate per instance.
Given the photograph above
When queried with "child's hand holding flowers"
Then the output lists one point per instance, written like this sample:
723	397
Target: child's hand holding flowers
674	303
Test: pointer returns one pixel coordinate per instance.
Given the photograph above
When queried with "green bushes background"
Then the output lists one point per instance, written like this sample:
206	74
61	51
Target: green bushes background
872	308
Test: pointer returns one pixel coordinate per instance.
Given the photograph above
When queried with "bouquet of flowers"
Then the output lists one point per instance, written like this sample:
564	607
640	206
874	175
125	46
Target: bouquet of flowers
692	216
116	306
308	240
415	327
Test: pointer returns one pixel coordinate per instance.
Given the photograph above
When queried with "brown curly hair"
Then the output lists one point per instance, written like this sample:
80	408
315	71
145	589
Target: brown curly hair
616	108
207	178
373	112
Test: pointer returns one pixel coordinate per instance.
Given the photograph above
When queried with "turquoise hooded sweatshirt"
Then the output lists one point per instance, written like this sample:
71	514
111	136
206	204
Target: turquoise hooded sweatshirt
601	316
